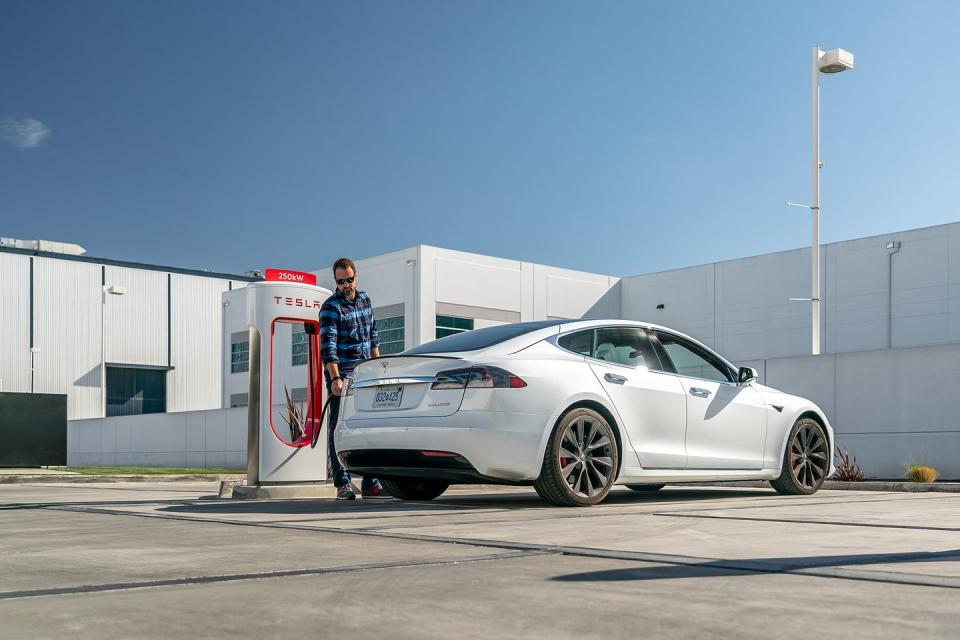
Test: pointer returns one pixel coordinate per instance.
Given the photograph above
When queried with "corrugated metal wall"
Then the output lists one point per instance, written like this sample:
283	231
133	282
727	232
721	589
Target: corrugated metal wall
67	330
196	326
15	323
136	323
66	297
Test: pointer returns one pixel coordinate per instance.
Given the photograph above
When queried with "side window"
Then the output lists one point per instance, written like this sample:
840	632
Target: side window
625	345
580	342
690	360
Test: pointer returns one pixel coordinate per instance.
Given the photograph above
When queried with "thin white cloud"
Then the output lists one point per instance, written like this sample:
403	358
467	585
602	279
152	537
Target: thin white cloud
24	134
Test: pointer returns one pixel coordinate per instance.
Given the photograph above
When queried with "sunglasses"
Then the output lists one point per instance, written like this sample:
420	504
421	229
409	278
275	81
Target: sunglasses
346	280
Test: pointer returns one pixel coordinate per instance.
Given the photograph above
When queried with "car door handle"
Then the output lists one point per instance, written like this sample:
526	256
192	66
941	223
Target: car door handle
614	378
700	393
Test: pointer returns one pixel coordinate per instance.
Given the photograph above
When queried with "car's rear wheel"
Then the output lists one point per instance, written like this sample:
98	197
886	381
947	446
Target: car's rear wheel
581	460
414	488
645	488
806	461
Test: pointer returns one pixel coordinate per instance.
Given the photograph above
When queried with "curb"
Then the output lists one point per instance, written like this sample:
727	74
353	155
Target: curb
78	478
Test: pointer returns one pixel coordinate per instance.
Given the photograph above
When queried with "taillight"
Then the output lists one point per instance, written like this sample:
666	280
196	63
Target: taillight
477	378
347	386
452	379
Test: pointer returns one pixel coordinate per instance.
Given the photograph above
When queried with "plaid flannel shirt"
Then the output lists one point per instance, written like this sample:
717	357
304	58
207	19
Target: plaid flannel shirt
348	330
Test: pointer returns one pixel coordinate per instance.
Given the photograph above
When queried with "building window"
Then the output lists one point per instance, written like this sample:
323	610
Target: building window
300	342
240	357
391	335
449	325
132	391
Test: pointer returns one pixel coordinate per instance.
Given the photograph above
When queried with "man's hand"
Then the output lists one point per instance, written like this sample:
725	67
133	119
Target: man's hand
337	387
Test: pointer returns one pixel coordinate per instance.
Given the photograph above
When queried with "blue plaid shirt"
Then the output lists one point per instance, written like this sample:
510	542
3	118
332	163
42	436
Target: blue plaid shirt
348	330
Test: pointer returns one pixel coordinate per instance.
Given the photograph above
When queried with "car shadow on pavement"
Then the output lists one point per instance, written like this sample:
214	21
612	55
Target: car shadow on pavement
750	566
463	501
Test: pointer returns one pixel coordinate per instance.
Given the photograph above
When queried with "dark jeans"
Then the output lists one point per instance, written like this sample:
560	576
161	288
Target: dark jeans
338	474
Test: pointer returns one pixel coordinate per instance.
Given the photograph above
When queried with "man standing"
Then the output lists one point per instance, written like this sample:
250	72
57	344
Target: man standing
348	335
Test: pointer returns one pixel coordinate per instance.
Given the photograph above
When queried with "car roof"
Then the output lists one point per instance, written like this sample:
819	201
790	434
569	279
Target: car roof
573	325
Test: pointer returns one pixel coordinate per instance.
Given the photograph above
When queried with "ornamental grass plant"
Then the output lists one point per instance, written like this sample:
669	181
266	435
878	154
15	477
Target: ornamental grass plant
847	468
921	473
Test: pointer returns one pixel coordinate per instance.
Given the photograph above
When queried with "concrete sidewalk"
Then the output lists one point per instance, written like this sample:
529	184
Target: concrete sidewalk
123	560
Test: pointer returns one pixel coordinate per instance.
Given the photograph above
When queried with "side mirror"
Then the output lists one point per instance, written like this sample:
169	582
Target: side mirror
747	374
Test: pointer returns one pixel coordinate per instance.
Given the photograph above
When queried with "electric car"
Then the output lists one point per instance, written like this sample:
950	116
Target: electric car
574	408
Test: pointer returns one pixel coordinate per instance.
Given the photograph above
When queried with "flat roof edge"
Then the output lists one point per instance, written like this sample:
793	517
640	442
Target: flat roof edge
130	265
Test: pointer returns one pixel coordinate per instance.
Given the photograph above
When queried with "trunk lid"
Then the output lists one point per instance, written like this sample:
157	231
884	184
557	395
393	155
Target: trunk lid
399	386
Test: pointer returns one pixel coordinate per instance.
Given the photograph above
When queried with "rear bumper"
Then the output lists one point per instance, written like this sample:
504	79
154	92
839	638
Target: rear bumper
490	446
410	463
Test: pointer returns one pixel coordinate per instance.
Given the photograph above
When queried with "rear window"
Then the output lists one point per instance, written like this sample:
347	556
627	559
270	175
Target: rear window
480	338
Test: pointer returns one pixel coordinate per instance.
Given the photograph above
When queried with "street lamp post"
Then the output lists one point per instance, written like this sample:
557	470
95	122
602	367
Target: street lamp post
833	61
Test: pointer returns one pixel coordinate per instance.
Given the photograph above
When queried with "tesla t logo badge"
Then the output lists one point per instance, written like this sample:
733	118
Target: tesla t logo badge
384	364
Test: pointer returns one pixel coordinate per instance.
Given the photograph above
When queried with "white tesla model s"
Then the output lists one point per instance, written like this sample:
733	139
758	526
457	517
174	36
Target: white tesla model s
573	408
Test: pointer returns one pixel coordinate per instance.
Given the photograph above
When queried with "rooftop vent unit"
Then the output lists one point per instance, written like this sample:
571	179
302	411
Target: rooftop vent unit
49	246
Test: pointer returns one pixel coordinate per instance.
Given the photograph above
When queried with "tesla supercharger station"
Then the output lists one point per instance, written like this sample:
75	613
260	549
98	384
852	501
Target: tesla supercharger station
286	394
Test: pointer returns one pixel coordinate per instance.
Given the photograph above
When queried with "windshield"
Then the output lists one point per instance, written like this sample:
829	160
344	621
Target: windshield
480	338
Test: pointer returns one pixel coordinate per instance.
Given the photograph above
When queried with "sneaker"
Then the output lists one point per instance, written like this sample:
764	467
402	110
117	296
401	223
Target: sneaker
374	491
345	493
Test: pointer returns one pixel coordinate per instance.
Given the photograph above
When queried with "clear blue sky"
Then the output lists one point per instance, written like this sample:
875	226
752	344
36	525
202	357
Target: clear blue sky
615	137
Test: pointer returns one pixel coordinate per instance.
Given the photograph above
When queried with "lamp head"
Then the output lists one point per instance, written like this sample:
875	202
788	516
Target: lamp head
835	61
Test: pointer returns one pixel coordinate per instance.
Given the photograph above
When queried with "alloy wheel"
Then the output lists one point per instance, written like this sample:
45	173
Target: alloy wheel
586	460
809	457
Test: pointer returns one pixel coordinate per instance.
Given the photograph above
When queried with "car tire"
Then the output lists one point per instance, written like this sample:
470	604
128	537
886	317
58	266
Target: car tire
414	488
645	488
581	461
806	460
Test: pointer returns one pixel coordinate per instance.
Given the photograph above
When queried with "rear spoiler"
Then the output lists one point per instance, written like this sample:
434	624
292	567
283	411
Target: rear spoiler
415	355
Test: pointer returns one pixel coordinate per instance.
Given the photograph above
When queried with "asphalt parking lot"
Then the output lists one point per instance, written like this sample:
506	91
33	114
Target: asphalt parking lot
171	560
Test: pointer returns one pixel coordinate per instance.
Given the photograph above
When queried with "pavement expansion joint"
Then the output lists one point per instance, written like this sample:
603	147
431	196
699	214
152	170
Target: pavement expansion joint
267	575
13	506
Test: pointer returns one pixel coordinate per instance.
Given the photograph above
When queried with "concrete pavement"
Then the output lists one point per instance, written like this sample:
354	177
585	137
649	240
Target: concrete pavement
157	560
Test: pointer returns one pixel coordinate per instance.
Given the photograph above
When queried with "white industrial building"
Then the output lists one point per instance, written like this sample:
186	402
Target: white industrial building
890	327
93	329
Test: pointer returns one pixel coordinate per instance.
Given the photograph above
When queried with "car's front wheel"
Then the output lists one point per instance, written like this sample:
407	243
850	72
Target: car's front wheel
806	460
414	488
581	460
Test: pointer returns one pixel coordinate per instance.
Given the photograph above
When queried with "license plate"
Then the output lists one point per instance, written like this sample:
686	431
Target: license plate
387	397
